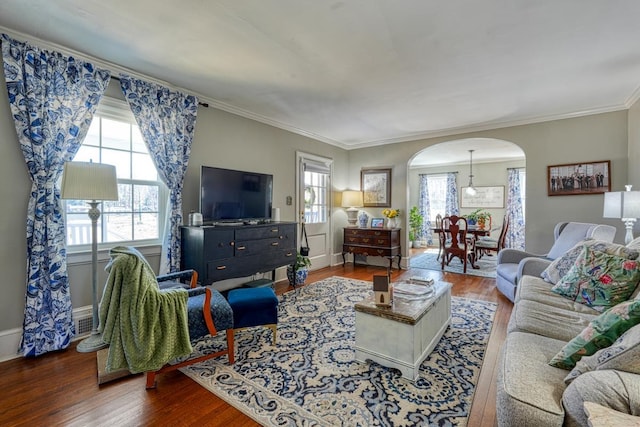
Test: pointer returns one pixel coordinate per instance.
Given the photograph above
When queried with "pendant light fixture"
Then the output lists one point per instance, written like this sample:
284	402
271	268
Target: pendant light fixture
471	190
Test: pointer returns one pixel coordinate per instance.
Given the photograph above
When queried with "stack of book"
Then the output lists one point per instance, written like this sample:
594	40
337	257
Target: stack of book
414	290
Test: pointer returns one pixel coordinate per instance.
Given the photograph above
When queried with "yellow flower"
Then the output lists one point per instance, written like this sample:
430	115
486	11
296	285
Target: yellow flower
391	213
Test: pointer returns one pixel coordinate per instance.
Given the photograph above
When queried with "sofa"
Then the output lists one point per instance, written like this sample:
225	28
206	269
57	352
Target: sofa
544	324
565	234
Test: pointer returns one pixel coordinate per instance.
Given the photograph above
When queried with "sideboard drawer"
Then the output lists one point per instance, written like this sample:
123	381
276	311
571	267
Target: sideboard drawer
384	242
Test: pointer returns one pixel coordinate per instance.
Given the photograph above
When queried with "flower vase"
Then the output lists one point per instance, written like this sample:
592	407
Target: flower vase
391	223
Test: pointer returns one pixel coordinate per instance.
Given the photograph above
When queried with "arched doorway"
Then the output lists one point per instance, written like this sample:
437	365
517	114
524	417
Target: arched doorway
442	171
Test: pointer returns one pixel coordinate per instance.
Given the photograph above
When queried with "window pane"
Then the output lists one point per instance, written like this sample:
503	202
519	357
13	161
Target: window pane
86	154
121	160
145	198
437	196
93	134
124	203
137	142
118	227
78	229
146	226
116	134
144	167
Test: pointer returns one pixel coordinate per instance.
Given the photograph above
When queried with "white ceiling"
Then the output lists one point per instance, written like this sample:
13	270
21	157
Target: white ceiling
362	72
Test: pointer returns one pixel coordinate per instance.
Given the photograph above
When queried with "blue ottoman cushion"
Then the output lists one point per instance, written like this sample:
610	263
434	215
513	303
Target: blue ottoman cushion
253	307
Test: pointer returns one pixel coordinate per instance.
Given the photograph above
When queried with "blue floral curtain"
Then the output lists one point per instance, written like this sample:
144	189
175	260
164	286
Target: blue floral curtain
52	100
515	234
451	201
167	121
424	208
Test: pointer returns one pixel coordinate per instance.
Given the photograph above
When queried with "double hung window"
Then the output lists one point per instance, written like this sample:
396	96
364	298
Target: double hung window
114	138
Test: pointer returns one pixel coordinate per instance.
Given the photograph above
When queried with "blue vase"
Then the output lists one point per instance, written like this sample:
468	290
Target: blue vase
363	219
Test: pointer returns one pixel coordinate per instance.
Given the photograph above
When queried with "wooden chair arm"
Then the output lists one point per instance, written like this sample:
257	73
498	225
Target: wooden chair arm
206	311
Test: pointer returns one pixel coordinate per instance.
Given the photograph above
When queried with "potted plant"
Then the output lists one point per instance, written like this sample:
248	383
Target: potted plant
415	225
297	272
478	217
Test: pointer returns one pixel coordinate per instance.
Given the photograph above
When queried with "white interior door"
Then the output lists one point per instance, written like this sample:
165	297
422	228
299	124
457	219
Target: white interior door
314	206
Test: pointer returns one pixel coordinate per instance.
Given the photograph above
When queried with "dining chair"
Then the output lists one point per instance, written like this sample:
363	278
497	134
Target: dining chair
453	234
485	245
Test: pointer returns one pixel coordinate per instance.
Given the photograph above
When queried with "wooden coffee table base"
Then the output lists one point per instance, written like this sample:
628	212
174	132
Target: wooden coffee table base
403	335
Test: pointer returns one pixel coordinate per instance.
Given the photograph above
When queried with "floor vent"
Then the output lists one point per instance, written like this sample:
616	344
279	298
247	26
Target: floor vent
84	325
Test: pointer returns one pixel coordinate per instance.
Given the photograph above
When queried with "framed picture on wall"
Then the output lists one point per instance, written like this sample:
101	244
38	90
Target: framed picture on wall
376	187
579	178
485	197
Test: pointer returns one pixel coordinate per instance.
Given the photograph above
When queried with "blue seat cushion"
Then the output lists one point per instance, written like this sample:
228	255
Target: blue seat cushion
253	307
220	312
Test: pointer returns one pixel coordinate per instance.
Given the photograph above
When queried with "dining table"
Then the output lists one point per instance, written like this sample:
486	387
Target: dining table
476	232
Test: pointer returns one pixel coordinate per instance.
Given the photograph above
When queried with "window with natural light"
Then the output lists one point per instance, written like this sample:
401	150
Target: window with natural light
523	193
115	139
437	187
316	204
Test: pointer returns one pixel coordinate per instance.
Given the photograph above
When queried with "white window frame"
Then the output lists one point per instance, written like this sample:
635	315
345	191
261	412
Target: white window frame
115	109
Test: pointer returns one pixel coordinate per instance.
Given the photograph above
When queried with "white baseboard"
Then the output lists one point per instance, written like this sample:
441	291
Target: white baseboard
10	338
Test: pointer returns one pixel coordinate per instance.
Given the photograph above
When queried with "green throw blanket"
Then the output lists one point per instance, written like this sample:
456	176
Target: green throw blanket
144	327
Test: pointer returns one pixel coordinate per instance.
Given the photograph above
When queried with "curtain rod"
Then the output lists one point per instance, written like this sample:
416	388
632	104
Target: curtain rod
202	104
437	173
515	169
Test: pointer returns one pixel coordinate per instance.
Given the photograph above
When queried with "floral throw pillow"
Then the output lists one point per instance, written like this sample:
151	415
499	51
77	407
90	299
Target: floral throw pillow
600	333
599	280
560	266
622	355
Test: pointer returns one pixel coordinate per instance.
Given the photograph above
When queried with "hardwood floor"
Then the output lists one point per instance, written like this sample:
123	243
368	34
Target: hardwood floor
61	389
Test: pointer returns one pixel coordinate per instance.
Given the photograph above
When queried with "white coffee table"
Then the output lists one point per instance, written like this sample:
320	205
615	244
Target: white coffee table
403	335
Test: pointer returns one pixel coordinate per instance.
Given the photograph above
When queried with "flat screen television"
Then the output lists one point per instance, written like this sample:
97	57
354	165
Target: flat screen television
228	195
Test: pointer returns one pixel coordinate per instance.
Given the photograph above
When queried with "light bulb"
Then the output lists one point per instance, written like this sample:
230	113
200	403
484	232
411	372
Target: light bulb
471	191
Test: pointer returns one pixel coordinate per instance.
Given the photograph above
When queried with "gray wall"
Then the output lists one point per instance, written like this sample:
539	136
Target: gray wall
221	139
227	140
589	138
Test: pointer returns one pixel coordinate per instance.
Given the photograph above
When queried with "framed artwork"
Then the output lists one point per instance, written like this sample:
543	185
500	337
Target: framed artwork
485	197
376	187
579	178
377	222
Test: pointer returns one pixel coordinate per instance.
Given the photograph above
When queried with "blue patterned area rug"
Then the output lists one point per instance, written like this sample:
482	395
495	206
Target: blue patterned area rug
429	261
310	378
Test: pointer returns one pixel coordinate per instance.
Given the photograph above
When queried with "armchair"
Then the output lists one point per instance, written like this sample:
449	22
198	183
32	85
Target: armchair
514	263
147	327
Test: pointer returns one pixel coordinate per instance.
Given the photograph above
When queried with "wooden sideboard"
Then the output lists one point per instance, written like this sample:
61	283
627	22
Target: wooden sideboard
384	242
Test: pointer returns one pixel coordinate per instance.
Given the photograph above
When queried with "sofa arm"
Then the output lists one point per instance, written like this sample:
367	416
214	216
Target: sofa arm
514	256
532	266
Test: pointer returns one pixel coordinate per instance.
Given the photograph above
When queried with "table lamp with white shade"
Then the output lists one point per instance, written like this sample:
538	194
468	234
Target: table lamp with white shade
624	205
352	200
92	182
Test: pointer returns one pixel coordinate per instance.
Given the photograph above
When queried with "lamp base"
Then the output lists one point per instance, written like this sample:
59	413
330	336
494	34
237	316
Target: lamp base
352	216
628	223
92	343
